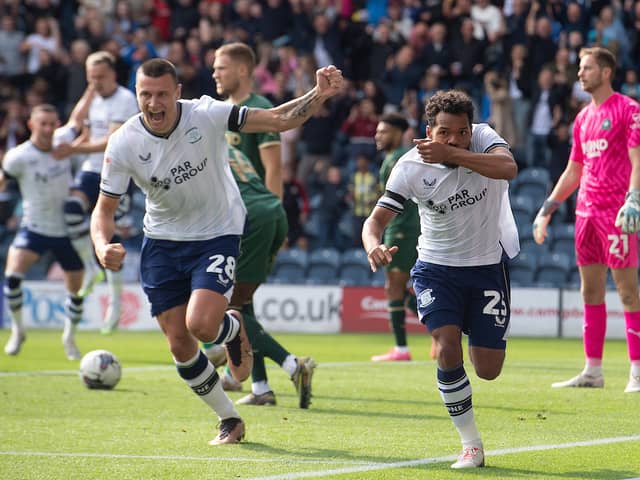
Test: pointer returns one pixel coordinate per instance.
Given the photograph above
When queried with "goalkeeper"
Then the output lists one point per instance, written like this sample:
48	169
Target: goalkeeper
605	164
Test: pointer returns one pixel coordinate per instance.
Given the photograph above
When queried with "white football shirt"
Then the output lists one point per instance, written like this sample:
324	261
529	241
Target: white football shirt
465	218
103	112
44	184
185	175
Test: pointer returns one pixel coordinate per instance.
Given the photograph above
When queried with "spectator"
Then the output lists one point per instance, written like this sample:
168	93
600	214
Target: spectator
560	148
315	147
541	47
518	73
11	60
383	47
121	67
545	108
631	87
501	117
437	55
326	44
75	74
45	37
467	59
184	18
515	24
136	53
295	203
363	193
332	194
401	74
275	19
360	129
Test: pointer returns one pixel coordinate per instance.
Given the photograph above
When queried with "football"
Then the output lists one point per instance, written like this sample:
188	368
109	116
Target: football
100	370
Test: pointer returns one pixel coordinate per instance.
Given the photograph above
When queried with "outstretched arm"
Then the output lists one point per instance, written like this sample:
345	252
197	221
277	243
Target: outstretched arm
103	226
297	111
378	254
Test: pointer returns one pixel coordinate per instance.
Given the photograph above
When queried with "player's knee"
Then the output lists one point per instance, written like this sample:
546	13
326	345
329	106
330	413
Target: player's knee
76	216
204	328
13	291
488	372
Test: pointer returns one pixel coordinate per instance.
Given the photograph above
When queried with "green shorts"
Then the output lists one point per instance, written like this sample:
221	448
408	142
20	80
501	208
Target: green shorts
407	253
259	247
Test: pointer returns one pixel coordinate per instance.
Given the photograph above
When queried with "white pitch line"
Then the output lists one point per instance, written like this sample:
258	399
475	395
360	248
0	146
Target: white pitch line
426	461
176	457
153	368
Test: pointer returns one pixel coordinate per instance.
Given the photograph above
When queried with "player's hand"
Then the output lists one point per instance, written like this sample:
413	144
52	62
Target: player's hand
628	218
540	228
329	81
432	152
380	256
62	151
111	256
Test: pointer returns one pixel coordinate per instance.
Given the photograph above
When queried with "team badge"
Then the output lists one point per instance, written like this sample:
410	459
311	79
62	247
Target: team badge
429	183
193	135
425	299
145	158
606	124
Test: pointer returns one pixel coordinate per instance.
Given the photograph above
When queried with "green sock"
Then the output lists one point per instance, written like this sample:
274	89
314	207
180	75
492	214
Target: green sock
396	311
264	345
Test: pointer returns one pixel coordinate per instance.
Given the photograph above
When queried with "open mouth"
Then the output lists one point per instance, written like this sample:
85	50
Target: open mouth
156	117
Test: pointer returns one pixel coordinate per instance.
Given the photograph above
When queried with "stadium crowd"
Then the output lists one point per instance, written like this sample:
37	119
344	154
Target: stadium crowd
517	59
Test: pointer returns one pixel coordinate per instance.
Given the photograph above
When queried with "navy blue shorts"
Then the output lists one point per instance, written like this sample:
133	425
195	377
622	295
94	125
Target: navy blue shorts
476	299
170	270
61	247
89	184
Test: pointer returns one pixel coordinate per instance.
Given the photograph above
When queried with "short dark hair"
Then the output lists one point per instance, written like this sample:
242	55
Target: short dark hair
239	52
450	101
157	67
604	57
396	120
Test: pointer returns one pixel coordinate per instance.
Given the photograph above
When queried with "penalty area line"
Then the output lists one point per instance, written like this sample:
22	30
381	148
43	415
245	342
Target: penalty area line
427	461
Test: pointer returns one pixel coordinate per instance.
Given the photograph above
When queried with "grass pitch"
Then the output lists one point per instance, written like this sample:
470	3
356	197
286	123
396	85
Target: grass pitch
367	421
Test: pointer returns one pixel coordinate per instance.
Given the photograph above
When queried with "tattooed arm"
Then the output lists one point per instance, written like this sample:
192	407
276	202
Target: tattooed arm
294	113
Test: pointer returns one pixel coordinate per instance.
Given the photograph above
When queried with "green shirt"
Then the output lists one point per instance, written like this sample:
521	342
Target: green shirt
259	201
250	143
408	221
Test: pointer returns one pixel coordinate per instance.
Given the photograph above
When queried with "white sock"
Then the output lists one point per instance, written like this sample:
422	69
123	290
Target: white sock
84	248
592	370
229	329
635	368
404	349
114	309
290	364
455	390
203	379
258	388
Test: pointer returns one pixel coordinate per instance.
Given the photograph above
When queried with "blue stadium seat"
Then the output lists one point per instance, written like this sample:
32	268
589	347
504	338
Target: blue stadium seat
553	269
564	239
352	275
354	256
378	277
290	266
534	183
522	269
324	265
523	210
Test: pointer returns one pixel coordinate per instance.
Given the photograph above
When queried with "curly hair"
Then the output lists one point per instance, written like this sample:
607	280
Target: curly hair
450	101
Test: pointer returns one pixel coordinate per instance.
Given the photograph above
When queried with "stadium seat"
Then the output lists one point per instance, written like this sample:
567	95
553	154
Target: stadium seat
324	265
352	275
522	269
354	256
523	210
534	183
290	266
564	239
378	277
553	269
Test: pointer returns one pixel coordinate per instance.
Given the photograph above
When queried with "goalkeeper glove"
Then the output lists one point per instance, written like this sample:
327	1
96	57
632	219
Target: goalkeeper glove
628	218
542	220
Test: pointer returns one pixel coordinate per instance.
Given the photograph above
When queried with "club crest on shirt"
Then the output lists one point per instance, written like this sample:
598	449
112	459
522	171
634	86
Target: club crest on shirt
606	124
193	135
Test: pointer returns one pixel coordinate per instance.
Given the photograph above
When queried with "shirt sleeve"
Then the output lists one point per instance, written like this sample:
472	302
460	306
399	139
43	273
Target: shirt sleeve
115	175
484	138
633	139
577	154
11	164
397	191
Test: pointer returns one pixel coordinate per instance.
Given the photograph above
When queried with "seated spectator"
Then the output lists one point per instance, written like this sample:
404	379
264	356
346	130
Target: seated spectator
360	129
631	87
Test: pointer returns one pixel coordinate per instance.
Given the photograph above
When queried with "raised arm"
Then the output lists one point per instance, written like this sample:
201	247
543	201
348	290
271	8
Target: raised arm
497	163
378	254
297	111
103	226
